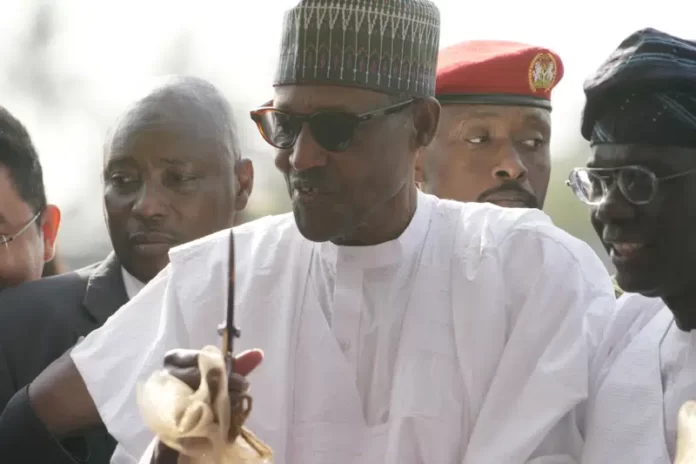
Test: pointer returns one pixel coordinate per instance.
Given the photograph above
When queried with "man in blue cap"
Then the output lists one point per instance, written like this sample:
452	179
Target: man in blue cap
640	118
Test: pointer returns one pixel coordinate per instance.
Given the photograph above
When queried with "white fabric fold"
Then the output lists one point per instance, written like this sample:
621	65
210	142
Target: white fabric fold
686	434
435	347
196	423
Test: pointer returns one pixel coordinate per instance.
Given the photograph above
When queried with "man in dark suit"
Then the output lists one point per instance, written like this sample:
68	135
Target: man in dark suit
173	173
42	319
28	224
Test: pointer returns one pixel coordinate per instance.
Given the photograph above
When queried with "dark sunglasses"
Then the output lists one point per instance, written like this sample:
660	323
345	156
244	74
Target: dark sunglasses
637	184
332	130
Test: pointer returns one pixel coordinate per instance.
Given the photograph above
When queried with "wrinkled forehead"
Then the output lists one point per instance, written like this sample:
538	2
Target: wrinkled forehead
191	129
313	98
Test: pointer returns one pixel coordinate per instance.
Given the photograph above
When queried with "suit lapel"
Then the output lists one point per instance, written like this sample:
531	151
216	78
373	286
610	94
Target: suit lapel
105	291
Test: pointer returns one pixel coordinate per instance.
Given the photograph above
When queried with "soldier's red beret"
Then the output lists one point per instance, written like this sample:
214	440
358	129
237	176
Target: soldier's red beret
494	72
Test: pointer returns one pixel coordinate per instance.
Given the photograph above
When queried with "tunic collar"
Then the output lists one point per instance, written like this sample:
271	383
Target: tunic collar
388	253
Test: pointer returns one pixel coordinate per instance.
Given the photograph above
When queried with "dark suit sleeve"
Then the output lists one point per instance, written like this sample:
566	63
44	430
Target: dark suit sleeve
25	438
7	384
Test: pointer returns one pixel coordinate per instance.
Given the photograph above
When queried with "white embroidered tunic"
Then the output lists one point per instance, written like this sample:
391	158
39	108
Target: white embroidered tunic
644	371
459	342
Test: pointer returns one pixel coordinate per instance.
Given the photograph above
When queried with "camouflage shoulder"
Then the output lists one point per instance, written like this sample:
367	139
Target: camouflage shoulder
617	290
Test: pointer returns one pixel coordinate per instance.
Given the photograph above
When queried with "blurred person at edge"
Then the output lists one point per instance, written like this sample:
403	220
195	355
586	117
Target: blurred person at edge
173	173
640	186
28	225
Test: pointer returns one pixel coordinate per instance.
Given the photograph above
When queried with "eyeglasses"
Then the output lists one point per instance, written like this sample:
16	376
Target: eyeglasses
4	239
637	184
332	130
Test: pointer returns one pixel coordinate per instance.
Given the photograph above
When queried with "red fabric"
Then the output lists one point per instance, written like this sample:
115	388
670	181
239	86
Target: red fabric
497	67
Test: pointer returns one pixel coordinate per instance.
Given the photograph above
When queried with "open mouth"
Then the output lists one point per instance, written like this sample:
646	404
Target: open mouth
305	191
625	251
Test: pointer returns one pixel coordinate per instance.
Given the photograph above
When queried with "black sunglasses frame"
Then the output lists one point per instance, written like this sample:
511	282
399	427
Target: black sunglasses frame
352	120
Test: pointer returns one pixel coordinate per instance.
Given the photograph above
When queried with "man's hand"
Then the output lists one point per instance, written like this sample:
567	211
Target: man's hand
183	364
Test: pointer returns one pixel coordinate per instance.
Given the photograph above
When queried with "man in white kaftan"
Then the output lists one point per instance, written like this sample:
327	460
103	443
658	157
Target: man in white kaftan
396	327
639	186
457	342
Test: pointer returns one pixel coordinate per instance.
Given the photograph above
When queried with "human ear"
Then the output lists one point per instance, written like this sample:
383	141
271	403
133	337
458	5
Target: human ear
426	118
244	171
50	223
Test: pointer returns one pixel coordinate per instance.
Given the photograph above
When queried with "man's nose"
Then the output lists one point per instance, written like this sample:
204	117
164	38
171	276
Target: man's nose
151	201
510	166
307	154
614	206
